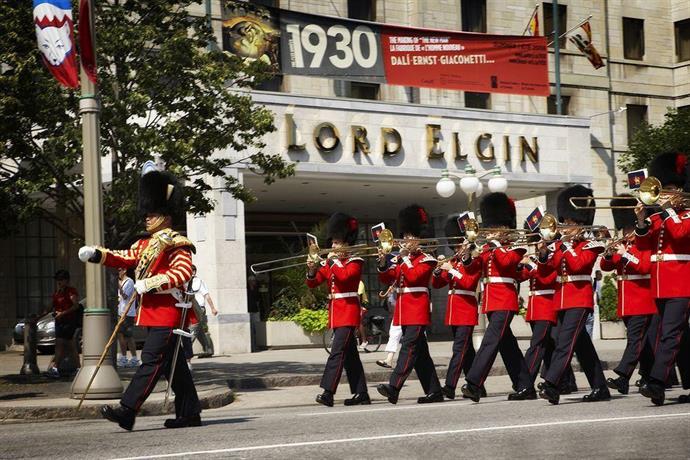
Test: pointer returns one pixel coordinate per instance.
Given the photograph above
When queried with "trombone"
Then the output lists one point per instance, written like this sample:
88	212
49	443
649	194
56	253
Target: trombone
473	233
314	254
549	226
649	193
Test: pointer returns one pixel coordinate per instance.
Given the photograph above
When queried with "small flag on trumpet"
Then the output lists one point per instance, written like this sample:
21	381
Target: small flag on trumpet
636	177
534	218
464	218
376	231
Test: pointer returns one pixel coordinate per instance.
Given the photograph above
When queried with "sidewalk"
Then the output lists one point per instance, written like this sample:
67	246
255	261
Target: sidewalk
44	398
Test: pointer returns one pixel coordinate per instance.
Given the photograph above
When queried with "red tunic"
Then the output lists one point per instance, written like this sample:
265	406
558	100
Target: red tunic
542	287
668	237
172	269
462	281
573	264
634	290
343	277
499	267
411	276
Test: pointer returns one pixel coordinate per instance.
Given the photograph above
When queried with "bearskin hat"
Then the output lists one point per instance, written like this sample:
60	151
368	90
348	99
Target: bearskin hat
567	211
342	227
161	193
497	210
670	168
414	220
453	230
623	217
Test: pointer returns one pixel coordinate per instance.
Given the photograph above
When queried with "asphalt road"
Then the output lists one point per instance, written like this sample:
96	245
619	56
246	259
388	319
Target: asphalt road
626	427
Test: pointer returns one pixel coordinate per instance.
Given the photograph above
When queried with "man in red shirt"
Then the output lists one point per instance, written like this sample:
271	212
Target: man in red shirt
342	273
66	313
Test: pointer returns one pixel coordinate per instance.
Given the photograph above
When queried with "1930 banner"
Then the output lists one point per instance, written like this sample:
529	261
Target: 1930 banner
307	44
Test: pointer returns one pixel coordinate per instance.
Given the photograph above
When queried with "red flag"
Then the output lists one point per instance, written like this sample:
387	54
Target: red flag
582	38
88	54
55	36
533	24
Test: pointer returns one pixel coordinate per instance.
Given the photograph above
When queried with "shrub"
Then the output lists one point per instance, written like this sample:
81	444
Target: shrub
608	300
312	321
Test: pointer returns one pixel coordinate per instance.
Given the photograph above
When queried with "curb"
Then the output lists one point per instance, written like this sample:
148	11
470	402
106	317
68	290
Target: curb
210	399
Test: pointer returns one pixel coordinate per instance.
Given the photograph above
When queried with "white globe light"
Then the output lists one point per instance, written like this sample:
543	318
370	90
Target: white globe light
469	184
480	189
498	184
445	187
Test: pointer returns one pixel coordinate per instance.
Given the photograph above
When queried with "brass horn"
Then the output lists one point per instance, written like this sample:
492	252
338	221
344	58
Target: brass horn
649	193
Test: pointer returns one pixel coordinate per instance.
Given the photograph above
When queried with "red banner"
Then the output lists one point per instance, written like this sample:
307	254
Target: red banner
465	61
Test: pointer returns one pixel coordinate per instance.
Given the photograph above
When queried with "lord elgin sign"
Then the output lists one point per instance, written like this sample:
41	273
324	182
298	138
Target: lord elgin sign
326	138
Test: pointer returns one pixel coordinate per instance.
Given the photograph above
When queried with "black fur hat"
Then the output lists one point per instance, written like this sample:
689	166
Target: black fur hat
414	220
343	227
497	210
670	168
623	217
453	230
161	193
567	211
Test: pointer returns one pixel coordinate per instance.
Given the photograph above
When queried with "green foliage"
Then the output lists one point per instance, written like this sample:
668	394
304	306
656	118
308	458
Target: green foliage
312	320
649	141
165	88
608	300
522	306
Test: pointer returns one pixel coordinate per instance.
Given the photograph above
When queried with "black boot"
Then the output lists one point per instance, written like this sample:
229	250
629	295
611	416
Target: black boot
389	391
123	416
431	398
358	399
522	395
325	398
183	422
550	393
598	394
482	391
471	391
655	392
448	392
684	399
620	384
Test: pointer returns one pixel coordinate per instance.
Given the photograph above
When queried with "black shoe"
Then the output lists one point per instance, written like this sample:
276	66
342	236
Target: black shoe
471	391
598	394
183	422
325	398
431	398
684	399
123	416
383	363
550	393
482	391
523	395
389	391
448	392
640	382
654	392
540	386
358	399
620	384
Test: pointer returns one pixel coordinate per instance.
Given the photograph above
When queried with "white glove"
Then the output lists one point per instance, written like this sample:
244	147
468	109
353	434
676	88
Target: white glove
86	253
140	286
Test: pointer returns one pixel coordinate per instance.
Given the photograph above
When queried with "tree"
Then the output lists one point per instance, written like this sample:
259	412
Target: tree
649	140
165	88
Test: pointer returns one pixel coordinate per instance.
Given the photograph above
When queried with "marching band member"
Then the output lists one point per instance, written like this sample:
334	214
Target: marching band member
343	273
163	268
635	304
500	303
573	259
667	235
461	310
411	271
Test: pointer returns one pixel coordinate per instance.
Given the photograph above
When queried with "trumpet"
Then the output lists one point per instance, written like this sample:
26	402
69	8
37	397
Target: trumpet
649	194
549	227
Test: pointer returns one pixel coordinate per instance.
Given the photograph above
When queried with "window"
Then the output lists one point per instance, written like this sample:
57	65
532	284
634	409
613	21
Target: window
562	22
636	117
412	94
551	105
683	109
361	9
356	89
473	15
35	267
682	34
477	100
633	38
272	84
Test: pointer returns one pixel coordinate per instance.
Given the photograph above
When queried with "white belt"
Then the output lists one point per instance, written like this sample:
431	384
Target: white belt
460	292
572	278
542	292
342	295
633	277
498	279
674	257
407	290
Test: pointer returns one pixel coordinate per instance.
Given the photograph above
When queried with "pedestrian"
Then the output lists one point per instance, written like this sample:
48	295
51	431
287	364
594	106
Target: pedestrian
66	313
364	303
597	284
394	331
199	331
163	263
125	336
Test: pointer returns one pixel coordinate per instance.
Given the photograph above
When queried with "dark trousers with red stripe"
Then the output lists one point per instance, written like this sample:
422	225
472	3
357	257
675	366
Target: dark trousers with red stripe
637	348
573	338
499	337
674	324
414	354
156	360
647	358
540	347
568	377
463	354
344	355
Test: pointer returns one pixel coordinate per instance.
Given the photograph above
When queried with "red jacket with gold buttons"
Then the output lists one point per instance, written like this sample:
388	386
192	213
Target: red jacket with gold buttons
634	290
668	238
542	287
462	281
342	276
500	277
411	276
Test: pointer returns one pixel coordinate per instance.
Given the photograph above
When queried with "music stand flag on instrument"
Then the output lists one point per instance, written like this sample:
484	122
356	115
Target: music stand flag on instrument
636	177
534	218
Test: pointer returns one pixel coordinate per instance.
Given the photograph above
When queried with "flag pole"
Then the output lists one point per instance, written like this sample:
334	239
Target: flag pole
534	11
571	29
97	316
557	58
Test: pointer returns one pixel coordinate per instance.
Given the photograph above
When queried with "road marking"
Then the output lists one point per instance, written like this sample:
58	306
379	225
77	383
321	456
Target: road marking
389	408
410	435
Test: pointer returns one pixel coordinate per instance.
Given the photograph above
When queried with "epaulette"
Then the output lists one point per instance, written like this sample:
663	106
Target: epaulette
594	245
173	240
427	258
352	259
